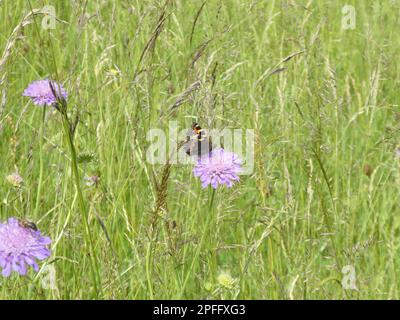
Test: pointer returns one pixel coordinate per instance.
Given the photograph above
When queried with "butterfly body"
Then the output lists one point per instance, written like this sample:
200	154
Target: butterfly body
198	142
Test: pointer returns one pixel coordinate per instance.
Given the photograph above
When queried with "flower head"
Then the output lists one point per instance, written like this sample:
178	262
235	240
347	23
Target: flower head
41	93
226	280
20	246
92	181
15	179
218	168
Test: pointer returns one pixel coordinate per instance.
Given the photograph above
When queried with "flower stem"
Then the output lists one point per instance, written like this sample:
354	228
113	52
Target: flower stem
82	206
211	201
203	237
41	165
148	266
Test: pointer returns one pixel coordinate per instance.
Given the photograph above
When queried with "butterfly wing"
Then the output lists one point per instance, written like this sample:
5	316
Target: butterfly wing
197	144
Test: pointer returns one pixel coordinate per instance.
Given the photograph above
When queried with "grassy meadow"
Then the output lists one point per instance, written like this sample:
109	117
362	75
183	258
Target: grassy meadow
322	203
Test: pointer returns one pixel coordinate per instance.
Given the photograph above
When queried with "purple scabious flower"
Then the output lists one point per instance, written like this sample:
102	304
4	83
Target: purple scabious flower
218	168
20	246
41	94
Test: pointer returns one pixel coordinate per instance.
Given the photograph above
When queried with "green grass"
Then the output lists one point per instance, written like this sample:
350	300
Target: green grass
284	232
